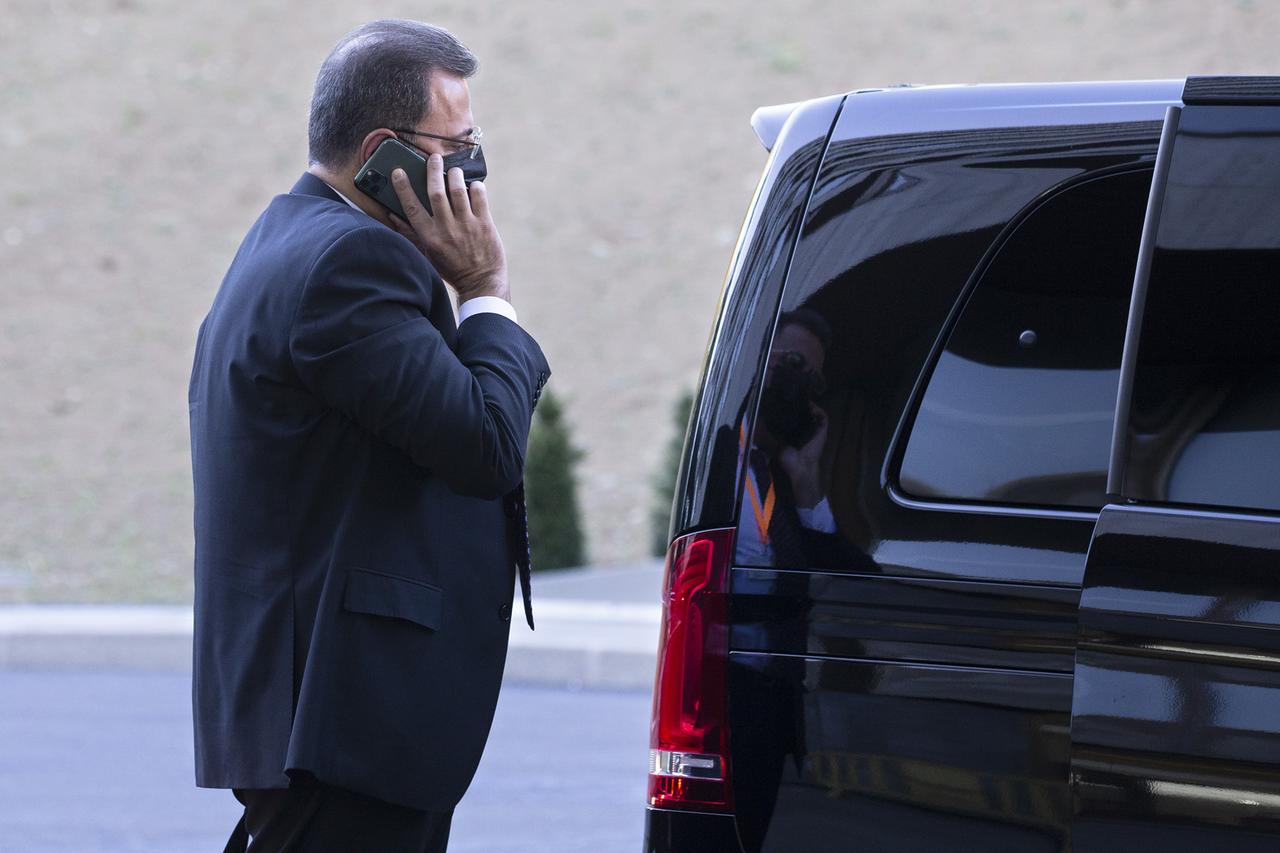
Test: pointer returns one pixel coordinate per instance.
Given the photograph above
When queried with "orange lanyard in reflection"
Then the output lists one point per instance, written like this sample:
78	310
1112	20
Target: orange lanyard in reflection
763	511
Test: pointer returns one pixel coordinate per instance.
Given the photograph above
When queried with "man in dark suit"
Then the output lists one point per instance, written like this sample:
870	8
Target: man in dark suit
357	457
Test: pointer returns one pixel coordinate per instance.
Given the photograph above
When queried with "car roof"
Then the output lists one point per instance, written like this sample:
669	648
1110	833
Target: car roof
923	109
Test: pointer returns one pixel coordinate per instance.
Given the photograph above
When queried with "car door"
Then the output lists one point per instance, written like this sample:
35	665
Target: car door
1175	721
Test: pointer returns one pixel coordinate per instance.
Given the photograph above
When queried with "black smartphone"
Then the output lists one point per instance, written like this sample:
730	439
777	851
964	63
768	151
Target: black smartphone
374	177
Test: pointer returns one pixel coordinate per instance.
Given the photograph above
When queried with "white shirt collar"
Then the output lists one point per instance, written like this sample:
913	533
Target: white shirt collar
341	196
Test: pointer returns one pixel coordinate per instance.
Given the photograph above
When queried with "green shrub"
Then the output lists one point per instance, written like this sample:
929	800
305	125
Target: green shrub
664	484
551	490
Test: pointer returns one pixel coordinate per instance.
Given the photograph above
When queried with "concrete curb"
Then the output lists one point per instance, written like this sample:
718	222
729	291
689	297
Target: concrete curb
597	644
578	643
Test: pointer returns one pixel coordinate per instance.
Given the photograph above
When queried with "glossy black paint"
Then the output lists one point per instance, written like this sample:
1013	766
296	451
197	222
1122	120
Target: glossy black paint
917	695
900	619
907	698
840	755
688	832
1176	718
1175	732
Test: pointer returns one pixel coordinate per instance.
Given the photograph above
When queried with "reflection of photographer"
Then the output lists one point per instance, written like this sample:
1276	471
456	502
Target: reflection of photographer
784	521
785	502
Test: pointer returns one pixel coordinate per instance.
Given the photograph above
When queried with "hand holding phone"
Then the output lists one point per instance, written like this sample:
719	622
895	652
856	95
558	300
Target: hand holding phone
459	238
374	177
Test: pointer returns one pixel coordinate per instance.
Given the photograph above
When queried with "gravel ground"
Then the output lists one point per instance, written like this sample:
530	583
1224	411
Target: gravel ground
142	138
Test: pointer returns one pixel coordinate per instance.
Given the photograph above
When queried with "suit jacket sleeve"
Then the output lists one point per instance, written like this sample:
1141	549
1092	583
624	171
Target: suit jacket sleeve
362	342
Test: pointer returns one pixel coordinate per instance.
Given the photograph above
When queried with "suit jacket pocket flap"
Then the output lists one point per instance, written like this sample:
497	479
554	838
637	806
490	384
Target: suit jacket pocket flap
393	596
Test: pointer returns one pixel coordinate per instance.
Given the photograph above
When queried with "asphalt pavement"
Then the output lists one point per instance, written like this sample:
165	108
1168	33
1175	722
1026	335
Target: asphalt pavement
96	743
102	763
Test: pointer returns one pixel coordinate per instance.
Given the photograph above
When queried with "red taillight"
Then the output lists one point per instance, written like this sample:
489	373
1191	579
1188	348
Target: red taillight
689	737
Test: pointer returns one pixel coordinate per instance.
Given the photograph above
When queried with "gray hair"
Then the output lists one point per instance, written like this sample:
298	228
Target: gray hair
376	76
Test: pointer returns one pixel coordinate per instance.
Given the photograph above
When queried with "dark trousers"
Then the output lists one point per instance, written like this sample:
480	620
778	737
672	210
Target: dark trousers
319	818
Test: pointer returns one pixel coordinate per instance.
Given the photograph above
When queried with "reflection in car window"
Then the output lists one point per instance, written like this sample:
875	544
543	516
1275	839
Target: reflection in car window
1020	405
1204	427
786	516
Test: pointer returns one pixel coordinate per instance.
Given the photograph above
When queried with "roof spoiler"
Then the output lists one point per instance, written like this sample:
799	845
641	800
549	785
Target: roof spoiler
767	122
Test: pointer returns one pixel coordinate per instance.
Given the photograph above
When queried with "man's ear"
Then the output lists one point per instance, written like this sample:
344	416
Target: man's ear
371	142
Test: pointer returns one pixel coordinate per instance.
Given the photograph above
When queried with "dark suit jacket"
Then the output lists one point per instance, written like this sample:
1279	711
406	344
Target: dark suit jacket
354	568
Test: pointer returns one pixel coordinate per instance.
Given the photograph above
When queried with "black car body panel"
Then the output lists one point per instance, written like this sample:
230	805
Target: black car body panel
688	832
924	672
1176	722
898	225
1175	727
1025	627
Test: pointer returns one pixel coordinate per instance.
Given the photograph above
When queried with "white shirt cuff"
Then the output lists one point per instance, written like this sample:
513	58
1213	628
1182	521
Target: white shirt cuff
818	517
486	305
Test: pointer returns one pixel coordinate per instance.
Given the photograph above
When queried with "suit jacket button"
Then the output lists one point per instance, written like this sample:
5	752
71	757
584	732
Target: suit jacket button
505	612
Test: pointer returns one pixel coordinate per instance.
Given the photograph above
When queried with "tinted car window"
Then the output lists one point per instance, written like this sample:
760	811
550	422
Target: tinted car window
1205	421
1020	405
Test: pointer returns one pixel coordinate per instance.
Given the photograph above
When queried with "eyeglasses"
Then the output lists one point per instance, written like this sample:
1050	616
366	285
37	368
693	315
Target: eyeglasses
470	142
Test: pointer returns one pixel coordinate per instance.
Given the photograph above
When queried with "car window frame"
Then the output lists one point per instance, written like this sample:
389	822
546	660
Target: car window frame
892	468
1116	489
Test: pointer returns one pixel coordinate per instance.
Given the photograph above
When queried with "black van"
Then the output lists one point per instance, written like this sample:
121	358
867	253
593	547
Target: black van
976	542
